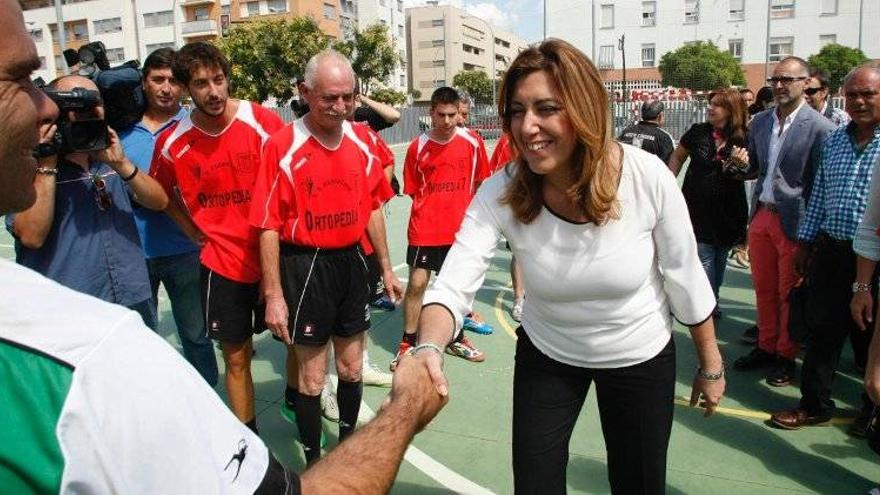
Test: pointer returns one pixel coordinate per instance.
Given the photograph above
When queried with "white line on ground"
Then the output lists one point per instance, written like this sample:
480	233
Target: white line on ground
434	470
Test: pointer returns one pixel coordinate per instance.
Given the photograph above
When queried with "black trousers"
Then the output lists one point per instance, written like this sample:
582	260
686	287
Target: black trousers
832	272
635	409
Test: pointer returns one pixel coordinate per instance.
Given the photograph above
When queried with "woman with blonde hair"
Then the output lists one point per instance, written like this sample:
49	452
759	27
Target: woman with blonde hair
713	184
594	224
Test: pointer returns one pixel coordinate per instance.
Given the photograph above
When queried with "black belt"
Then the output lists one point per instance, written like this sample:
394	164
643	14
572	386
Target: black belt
771	207
828	240
288	249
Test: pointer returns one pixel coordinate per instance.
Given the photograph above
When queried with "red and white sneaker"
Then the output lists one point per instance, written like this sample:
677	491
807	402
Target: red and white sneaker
402	349
466	350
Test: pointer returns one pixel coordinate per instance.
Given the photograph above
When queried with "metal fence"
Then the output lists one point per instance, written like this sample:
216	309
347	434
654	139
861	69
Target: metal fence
679	117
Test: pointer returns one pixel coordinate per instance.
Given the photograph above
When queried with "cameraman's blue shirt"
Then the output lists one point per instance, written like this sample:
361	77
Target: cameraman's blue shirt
160	236
89	249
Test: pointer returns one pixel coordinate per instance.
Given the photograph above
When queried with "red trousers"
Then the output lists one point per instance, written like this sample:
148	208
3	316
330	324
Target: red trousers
772	256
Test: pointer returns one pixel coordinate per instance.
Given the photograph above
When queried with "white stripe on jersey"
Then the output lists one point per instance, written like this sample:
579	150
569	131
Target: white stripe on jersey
348	130
184	126
246	114
301	134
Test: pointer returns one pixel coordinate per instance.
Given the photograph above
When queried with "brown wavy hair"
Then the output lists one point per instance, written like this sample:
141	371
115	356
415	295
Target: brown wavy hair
735	130
583	97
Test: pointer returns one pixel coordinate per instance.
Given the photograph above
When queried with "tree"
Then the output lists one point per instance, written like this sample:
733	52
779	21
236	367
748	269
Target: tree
700	66
836	61
268	56
388	96
372	55
476	83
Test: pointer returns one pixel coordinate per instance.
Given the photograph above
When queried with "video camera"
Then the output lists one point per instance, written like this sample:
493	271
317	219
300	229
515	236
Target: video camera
119	90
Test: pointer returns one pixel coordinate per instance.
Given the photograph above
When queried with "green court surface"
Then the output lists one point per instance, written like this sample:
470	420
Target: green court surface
466	449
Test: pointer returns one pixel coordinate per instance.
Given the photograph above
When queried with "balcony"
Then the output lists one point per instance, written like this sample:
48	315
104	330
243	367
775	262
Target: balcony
194	3
199	28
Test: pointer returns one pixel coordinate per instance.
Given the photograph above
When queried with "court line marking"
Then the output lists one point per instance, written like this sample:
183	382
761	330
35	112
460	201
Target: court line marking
681	401
433	469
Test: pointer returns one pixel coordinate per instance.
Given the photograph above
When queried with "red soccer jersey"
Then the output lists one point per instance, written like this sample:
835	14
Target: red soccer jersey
386	158
314	196
442	178
502	154
215	176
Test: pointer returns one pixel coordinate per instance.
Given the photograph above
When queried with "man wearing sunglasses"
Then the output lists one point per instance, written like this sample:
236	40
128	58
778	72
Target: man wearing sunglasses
81	232
785	146
817	93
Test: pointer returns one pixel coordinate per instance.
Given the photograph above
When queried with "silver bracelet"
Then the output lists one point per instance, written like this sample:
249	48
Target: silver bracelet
427	345
711	376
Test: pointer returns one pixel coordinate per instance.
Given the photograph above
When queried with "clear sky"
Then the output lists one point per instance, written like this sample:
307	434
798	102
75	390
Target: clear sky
522	17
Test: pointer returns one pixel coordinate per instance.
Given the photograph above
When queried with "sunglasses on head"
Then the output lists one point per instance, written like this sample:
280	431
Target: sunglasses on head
102	197
812	91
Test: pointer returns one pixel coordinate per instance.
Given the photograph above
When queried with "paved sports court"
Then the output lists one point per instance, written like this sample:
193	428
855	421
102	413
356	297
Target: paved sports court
467	447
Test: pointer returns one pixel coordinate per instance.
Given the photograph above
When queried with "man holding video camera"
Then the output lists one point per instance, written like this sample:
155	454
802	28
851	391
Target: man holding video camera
80	232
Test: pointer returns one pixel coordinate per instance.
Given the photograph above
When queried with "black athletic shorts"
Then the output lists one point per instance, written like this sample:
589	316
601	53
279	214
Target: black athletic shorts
428	257
327	292
374	277
232	309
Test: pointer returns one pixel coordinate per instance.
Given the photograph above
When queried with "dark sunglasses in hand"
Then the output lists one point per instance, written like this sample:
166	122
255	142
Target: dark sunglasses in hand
102	197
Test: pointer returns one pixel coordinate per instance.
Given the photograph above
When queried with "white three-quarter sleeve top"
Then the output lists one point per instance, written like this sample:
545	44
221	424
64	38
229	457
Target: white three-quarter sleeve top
596	296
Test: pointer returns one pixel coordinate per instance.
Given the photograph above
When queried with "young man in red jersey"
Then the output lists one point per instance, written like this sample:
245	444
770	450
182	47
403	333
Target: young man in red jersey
320	187
442	171
209	161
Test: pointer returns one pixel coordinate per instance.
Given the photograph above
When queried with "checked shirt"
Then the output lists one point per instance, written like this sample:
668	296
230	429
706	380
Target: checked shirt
841	186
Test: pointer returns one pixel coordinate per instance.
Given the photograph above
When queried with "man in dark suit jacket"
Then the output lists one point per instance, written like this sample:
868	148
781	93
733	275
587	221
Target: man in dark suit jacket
785	146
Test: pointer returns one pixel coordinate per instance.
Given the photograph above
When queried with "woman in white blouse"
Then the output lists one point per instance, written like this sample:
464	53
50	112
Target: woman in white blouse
608	255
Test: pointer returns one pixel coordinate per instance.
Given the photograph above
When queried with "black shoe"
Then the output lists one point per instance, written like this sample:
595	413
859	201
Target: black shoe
782	374
750	335
859	427
755	360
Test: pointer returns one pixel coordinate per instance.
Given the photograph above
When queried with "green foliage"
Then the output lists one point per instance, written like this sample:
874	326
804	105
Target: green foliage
416	94
836	61
267	56
700	66
372	55
476	83
389	96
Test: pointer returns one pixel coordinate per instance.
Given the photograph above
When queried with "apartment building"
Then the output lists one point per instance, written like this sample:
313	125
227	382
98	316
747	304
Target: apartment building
391	14
131	29
654	27
444	40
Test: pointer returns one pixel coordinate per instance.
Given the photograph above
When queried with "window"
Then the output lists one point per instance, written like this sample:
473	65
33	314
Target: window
112	25
400	5
157	19
400	31
277	6
439	83
329	11
60	64
781	9
200	14
80	31
607	17
115	55
436	22
435	43
155	46
827	39
225	9
828	7
691	11
737	10
37	35
735	47
606	57
402	80
253	8
781	47
648	55
649	13
383	3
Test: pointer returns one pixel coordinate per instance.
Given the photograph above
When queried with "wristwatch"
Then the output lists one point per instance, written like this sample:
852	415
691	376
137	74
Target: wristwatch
860	287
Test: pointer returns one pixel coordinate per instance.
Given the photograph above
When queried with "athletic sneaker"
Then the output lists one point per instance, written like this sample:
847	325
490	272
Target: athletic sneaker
516	312
464	349
289	414
401	350
475	326
384	304
371	375
329	408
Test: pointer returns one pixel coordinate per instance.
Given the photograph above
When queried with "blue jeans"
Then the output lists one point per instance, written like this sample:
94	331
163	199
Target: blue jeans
714	260
180	275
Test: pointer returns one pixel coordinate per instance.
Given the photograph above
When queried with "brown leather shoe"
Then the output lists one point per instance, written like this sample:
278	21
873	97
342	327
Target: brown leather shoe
794	419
